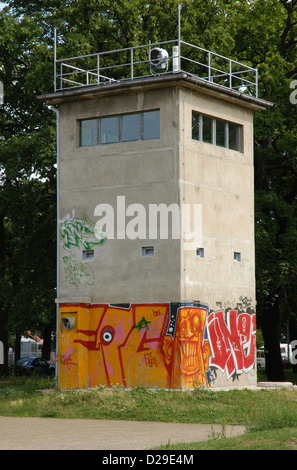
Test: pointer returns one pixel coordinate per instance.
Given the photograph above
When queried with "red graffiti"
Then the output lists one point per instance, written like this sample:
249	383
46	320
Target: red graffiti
233	344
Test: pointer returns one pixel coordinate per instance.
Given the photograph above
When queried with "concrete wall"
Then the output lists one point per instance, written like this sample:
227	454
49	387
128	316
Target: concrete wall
221	180
211	300
145	172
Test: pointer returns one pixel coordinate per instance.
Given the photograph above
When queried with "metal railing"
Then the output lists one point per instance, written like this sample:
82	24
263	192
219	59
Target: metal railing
136	63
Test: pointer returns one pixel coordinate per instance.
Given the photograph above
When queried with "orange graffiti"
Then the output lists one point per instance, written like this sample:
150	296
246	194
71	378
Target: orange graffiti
153	345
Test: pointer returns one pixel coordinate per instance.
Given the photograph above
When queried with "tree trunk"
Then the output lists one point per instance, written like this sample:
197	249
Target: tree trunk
3	310
17	347
4	342
270	330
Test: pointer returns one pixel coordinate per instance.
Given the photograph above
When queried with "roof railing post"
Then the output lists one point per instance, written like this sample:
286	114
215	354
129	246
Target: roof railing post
55	59
98	69
61	77
179	37
132	64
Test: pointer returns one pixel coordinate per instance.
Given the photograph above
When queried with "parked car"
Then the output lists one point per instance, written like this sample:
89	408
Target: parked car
37	365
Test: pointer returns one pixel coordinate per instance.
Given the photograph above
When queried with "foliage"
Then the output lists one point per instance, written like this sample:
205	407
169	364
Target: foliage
261	34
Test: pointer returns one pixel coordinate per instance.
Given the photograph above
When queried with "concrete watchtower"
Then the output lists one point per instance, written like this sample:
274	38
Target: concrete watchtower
156	282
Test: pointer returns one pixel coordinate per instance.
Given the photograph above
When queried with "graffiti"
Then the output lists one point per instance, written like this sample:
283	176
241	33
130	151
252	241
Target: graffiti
77	271
233	344
150	360
187	355
78	234
142	324
68	363
166	345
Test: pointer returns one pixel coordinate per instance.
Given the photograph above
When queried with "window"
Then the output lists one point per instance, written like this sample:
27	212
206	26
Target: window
220	133
151	125
88	254
207	130
109	130
130	127
122	128
216	131
147	250
88	132
200	252
237	256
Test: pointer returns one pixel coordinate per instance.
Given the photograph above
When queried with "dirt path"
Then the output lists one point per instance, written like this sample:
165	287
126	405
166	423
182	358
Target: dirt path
82	434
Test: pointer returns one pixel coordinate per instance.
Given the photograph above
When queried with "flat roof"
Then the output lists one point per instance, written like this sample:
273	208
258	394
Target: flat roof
158	81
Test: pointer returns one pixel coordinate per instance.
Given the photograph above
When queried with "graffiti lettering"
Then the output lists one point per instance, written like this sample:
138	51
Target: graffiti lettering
150	360
78	234
76	271
166	345
232	345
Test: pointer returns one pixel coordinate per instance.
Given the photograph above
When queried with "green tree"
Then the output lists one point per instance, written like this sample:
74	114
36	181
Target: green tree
27	186
259	33
265	35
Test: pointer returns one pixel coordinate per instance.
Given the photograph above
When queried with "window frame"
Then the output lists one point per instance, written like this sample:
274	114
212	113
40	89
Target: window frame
198	128
120	128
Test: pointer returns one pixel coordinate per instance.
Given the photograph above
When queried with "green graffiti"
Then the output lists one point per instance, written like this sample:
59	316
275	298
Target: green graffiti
143	323
77	271
78	233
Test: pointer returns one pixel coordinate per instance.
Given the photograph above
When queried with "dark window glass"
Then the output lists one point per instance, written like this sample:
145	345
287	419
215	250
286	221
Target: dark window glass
89	132
220	133
195	126
151	125
207	129
227	134
234	136
130	127
109	130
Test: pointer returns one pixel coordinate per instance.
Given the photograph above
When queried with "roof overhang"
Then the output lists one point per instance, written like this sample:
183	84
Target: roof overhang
154	82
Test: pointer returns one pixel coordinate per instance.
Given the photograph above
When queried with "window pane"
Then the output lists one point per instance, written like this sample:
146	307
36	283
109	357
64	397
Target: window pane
234	136
109	130
88	132
207	129
220	133
130	127
195	126
151	125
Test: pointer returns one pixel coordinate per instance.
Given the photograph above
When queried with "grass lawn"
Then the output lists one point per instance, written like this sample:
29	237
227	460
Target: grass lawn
269	415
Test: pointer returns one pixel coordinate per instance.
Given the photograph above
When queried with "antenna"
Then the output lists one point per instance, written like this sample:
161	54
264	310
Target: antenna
55	58
180	5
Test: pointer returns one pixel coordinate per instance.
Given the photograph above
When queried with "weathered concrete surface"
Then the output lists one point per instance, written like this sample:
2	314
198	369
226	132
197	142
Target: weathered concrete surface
83	434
